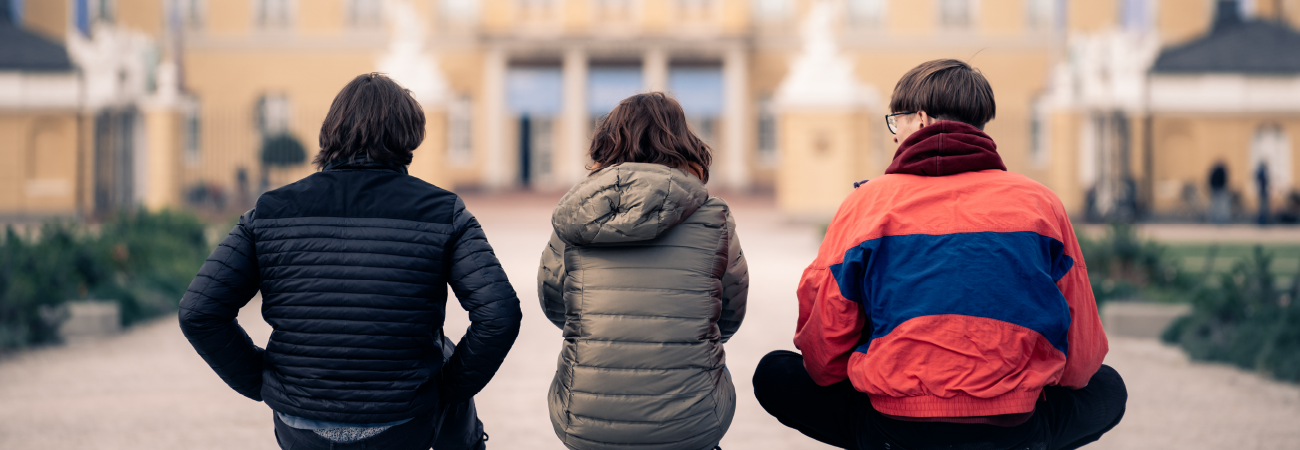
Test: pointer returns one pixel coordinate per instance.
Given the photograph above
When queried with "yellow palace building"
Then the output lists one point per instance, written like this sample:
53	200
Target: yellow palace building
205	103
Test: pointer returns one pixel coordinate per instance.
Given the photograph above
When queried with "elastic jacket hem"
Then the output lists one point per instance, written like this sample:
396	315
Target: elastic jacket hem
959	405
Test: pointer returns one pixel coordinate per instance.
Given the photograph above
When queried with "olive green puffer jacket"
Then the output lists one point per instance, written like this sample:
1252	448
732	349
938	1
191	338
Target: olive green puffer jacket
645	276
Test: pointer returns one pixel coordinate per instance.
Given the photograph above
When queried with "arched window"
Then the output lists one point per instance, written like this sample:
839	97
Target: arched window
1272	147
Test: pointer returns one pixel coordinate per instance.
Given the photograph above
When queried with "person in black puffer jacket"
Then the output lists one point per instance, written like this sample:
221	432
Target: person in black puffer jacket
353	264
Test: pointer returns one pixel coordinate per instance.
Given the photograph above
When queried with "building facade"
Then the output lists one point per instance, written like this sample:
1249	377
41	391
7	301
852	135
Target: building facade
513	88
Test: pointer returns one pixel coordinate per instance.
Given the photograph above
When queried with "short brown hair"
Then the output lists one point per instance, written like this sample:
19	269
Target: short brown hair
946	89
649	128
373	118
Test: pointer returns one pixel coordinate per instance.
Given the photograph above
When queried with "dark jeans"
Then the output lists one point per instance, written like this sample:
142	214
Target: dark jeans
843	417
448	427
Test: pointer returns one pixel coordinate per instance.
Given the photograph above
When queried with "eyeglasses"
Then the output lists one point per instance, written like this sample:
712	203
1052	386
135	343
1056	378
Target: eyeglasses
893	123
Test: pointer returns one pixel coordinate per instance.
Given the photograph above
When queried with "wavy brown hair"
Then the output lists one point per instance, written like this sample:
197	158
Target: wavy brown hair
649	128
373	118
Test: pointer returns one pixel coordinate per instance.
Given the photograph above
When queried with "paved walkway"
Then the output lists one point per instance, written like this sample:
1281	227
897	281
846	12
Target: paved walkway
1235	233
147	389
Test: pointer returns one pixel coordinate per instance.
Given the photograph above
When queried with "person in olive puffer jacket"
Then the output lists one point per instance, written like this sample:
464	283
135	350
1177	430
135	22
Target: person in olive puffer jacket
353	265
645	276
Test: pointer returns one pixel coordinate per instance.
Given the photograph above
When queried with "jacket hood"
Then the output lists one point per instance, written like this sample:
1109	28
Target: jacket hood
946	148
629	202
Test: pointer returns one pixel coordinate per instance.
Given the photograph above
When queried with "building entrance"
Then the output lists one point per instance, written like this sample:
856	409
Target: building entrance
534	96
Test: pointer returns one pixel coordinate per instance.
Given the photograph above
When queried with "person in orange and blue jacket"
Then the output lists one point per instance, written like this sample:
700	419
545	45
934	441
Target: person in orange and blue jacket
949	305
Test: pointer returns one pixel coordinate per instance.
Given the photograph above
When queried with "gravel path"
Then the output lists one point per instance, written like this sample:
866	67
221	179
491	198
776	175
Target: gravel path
147	389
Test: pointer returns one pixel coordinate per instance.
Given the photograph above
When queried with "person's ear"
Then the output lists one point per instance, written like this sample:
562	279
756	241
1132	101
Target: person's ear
924	118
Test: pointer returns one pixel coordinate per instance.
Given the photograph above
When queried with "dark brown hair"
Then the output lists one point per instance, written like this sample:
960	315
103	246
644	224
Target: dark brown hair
946	89
373	118
649	128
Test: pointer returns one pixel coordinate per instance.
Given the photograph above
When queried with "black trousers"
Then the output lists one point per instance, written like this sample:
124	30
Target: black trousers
841	416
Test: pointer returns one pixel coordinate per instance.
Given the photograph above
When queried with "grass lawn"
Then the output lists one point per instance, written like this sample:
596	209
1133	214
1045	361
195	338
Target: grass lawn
1194	258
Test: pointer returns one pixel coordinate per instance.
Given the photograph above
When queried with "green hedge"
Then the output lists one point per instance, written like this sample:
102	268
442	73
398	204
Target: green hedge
1241	316
1245	320
142	260
1121	265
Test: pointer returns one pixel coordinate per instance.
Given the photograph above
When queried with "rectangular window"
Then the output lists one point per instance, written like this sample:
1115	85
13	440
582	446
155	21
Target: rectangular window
607	11
1040	15
957	14
699	89
767	147
537	10
81	16
365	14
1136	15
1039	134
460	131
273	14
273	114
192	132
609	84
191	13
534	90
695	10
105	10
866	14
1247	8
462	12
16	12
771	11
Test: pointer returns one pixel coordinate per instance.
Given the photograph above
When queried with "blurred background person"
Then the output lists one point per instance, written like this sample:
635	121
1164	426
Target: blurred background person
1261	183
1220	197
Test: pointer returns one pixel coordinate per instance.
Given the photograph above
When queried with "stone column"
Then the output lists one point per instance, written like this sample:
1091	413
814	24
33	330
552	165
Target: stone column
494	115
158	177
574	120
430	158
654	69
161	176
735	119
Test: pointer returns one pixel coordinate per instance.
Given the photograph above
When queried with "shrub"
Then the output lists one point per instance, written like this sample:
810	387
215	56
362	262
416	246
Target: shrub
142	260
1245	321
1122	265
282	150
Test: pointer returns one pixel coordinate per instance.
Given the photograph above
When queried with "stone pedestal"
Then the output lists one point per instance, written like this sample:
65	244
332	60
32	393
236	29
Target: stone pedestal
1142	320
822	154
91	319
823	132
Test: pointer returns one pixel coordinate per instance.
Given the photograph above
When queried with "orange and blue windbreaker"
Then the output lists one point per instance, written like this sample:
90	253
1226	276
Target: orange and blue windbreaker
951	296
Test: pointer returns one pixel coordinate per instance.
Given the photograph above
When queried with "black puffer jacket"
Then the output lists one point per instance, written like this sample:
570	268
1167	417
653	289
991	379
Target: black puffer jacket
353	264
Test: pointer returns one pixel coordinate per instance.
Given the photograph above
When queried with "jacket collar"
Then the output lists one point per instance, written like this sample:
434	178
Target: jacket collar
365	164
946	148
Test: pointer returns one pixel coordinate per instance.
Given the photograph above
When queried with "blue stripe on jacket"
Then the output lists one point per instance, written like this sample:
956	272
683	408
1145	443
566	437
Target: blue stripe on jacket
1010	277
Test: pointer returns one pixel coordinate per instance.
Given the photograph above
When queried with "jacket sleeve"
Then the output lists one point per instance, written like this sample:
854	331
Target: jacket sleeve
225	283
550	281
830	326
1087	339
735	284
479	282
